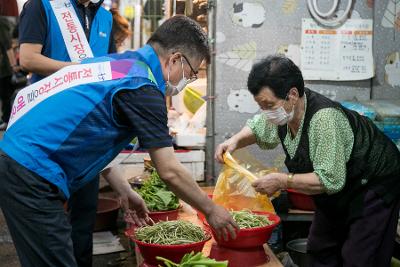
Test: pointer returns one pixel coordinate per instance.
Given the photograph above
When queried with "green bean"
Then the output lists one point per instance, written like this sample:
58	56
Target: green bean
171	233
246	219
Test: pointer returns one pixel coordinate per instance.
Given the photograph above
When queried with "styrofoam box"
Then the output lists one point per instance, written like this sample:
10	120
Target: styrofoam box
193	160
190	140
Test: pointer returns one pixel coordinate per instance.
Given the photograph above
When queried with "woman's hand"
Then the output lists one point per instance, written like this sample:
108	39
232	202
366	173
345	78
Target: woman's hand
270	183
229	145
242	139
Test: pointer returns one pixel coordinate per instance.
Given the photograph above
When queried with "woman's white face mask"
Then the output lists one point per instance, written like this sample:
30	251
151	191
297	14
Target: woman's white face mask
279	116
171	89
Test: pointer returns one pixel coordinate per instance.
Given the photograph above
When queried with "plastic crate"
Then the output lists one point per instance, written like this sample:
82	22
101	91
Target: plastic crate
397	142
360	108
392	130
391	120
386	110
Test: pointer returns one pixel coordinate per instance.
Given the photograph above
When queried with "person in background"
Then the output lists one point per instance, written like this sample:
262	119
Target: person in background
120	28
43	51
340	158
20	77
8	65
41	163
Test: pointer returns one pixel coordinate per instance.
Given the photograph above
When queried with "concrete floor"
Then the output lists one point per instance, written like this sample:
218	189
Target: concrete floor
9	258
8	255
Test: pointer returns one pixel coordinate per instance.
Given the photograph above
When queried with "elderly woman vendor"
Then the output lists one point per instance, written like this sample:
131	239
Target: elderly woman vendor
351	169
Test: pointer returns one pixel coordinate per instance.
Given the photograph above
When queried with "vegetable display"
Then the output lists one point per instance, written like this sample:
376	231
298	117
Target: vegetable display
156	194
194	260
246	219
171	233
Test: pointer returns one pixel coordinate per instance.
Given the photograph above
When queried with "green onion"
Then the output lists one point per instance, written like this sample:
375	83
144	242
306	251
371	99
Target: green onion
194	260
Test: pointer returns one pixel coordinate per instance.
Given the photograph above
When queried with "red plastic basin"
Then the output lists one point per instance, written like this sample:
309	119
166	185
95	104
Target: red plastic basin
300	201
252	237
246	257
168	215
172	252
107	213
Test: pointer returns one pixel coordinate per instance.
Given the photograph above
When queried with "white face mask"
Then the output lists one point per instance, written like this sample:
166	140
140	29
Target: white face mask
171	89
95	1
278	116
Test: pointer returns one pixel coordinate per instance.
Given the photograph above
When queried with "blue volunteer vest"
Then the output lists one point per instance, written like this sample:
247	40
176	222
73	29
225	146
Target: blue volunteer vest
71	136
54	46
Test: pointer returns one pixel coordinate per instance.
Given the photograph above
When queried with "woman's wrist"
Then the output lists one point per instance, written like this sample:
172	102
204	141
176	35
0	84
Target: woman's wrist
289	180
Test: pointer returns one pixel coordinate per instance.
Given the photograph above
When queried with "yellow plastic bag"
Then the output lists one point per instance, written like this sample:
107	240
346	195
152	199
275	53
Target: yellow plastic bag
233	189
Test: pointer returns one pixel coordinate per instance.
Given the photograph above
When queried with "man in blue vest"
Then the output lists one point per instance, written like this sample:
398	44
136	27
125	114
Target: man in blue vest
44	51
62	142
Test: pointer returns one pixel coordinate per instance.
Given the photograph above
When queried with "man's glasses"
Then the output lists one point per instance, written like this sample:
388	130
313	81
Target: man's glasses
194	76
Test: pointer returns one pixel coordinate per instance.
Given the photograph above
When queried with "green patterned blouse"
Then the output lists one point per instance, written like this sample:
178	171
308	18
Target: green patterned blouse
330	138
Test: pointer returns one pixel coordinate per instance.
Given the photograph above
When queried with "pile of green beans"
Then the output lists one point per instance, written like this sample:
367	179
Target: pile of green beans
246	219
171	233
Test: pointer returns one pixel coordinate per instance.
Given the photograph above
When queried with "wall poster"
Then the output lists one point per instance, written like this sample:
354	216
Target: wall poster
340	54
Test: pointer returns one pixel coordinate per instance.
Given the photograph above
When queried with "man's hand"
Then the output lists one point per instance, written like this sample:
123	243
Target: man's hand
270	183
133	205
16	68
178	179
135	209
222	222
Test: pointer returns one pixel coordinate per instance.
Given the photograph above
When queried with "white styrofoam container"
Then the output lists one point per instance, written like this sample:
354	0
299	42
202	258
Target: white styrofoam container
190	140
193	160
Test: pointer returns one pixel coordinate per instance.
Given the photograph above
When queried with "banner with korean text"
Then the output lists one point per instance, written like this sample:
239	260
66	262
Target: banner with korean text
71	29
63	79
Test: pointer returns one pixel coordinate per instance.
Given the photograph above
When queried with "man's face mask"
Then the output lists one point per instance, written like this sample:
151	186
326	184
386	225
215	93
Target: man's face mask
171	89
279	116
85	1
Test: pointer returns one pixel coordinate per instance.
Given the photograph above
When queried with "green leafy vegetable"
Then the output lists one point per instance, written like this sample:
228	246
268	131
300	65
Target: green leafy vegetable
171	233
247	219
194	260
156	194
